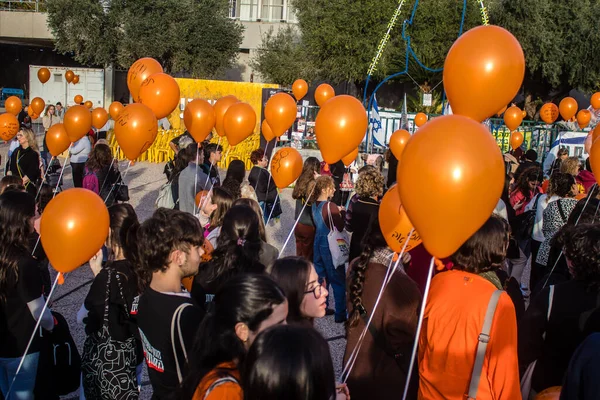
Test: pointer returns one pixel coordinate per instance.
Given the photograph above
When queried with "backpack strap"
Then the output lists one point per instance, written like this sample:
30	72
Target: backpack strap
176	321
483	340
219	382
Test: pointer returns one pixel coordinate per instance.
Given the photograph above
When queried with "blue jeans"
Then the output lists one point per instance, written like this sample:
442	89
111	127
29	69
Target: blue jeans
336	277
25	382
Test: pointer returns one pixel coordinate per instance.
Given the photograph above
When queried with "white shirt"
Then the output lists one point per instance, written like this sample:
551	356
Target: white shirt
500	210
537	234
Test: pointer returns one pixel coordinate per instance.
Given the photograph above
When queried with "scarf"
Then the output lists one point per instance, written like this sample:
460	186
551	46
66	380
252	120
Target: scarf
492	277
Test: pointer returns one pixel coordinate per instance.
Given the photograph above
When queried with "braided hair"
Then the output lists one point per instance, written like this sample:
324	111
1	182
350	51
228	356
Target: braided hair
372	241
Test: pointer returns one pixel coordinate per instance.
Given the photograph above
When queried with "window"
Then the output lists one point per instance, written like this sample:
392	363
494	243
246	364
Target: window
232	8
248	10
291	14
57	77
272	10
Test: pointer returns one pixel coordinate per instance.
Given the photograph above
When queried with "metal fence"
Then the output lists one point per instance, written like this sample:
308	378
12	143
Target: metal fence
23	5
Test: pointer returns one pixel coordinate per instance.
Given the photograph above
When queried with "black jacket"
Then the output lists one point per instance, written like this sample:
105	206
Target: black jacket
264	186
26	162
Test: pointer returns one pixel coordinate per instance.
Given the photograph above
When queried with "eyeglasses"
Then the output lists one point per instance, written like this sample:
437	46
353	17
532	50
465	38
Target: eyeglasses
317	291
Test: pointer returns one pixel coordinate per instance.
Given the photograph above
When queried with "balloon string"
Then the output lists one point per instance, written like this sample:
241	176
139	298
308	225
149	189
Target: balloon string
419	327
210	164
388	276
272	208
121	183
43	179
196	176
296	222
37	325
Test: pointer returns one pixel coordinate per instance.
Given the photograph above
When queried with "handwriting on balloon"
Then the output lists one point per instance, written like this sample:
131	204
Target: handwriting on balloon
277	159
415	237
123	118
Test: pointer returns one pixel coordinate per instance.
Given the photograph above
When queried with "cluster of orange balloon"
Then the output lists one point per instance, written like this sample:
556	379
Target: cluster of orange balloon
451	155
72	78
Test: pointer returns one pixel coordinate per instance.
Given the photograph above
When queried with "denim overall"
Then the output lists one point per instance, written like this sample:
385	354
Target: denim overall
336	277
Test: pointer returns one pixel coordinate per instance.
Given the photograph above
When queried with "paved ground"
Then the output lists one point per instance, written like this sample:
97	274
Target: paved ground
144	179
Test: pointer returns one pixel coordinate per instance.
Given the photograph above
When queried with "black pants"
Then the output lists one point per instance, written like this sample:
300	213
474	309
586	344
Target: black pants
77	169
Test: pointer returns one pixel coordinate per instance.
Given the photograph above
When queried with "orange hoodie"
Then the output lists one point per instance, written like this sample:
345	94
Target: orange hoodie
225	390
452	323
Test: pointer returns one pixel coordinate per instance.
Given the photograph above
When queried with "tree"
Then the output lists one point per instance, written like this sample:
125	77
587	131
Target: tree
190	36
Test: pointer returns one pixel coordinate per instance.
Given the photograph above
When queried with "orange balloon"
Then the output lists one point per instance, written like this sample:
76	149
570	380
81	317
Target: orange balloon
136	128
78	122
78	99
43	75
286	167
594	159
583	118
280	112
221	107
35	116
75	80
30	111
114	109
513	118
483	71
160	92
549	113
199	119
524	114
13	105
568	108
37	105
266	131
395	224
350	158
9	126
69	75
552	393
595	100
139	72
340	126
450	157
99	117
299	88
499	113
398	141
201	197
73	228
420	119
88	104
57	140
239	122
516	140
323	93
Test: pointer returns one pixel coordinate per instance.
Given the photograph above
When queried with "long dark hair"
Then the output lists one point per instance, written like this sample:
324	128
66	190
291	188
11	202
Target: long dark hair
247	299
307	178
292	273
288	362
238	246
16	211
372	241
223	199
124	225
253	204
529	174
100	157
234	178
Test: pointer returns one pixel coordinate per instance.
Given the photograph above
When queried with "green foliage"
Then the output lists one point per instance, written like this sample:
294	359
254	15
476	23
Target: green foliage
415	104
190	36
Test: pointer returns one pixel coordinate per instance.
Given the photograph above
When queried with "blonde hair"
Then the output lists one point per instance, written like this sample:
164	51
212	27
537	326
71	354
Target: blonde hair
30	136
570	165
370	183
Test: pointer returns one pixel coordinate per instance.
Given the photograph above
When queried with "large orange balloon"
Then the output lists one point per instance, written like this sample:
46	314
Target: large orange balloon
114	109
398	141
9	126
73	228
483	71
239	122
513	117
136	128
340	126
549	113
221	107
568	108
583	118
139	72
595	100
299	88
280	112
552	393
516	140
449	158
78	99
350	158
286	167
57	140
323	93
88	104
69	75
30	111
78	122
420	119
199	119
43	75
99	117
394	223
75	80
266	131
37	105
160	92
13	105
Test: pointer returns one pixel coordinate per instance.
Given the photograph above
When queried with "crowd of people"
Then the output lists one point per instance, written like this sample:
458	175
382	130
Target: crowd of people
198	294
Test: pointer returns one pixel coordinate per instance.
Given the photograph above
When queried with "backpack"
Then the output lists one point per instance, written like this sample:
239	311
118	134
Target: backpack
165	197
90	181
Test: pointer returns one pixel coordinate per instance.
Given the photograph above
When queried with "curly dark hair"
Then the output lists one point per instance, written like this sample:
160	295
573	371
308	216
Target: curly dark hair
307	178
486	249
582	249
532	173
256	156
561	184
322	183
100	157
